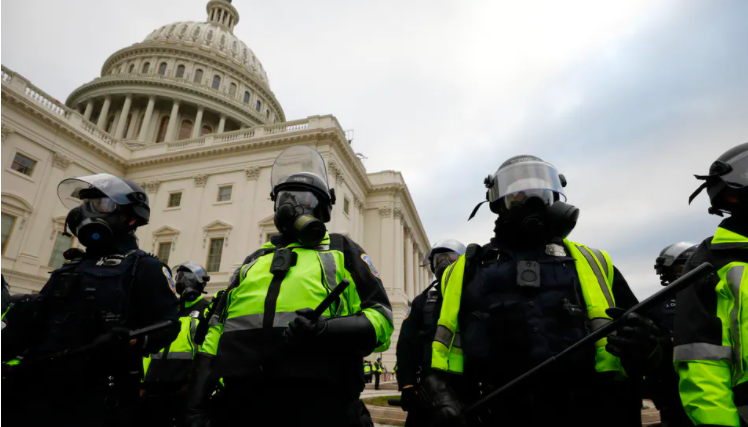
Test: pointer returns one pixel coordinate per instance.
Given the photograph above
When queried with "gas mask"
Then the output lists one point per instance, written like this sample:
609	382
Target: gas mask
189	286
536	214
295	217
442	260
97	222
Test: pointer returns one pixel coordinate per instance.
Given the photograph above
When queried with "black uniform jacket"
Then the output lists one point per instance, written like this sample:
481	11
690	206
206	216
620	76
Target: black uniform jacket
416	335
508	328
88	296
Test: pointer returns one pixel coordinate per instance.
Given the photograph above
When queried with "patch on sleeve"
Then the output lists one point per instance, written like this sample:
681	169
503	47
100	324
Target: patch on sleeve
408	313
170	280
373	269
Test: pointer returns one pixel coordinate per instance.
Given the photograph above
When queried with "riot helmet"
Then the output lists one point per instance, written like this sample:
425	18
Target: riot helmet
303	200
727	182
671	262
442	255
528	193
191	280
103	207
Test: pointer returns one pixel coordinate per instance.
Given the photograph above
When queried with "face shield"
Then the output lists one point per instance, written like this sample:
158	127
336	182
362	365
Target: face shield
300	165
673	252
520	181
100	191
302	201
190	271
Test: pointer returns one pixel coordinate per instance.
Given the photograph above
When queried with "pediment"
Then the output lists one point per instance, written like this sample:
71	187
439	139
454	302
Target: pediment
17	201
218	226
166	231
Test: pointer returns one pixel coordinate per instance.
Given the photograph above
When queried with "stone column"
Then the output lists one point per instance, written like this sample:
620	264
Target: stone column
409	273
399	249
123	117
248	226
387	267
221	124
198	122
197	227
89	109
173	119
101	123
147	119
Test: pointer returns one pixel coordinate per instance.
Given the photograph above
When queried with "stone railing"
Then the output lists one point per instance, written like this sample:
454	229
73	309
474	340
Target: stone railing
223	94
17	83
241	135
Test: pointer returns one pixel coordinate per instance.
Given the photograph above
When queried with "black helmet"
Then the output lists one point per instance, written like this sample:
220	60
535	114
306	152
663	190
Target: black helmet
301	168
672	260
121	191
727	174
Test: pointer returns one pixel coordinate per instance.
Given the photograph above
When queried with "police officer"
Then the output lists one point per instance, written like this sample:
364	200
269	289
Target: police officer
278	362
367	371
96	297
167	372
523	298
662	386
377	372
711	320
418	329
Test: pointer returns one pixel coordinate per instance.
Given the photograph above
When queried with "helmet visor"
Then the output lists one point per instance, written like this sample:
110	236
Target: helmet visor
446	257
69	190
525	176
305	199
300	162
674	251
737	177
190	270
101	205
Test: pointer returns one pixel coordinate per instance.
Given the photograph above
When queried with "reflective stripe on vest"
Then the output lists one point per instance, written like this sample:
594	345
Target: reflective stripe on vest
734	277
315	274
173	355
596	289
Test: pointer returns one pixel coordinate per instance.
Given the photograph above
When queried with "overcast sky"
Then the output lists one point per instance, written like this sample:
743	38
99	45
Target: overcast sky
628	99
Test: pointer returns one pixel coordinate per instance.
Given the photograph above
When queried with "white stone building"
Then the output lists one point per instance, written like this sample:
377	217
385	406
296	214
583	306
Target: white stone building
190	115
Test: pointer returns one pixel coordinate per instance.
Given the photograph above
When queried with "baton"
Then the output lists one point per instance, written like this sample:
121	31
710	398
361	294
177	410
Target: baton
331	298
678	285
394	402
137	333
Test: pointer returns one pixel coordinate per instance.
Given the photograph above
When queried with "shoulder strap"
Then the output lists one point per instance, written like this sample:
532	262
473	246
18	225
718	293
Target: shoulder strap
336	242
473	255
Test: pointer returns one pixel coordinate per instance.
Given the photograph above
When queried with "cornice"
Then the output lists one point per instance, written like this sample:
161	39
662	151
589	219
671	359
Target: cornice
139	49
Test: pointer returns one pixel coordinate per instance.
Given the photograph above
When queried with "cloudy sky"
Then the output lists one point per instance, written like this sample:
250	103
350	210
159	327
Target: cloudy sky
627	99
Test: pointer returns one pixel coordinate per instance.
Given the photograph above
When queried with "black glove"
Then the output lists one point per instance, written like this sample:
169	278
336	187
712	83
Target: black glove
305	328
348	333
199	391
113	344
636	342
446	409
409	399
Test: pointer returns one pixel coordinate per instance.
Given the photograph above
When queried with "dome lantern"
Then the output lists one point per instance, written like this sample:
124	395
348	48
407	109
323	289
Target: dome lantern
222	12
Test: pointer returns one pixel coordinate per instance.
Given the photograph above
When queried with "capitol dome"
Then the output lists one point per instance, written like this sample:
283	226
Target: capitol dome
183	81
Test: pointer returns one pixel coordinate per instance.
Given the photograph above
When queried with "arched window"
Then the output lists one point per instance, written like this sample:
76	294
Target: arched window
161	136
258	106
132	68
246	97
216	82
185	129
146	67
162	69
206	130
198	76
110	124
180	71
232	89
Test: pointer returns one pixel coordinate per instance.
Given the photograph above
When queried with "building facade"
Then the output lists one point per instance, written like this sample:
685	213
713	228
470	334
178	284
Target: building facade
189	114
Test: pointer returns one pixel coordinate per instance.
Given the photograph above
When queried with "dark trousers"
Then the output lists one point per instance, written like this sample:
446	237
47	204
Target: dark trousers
376	380
162	410
367	378
265	404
